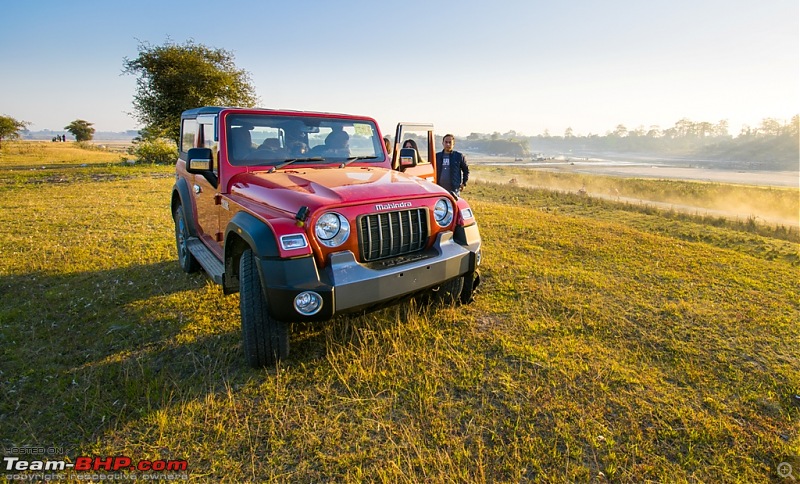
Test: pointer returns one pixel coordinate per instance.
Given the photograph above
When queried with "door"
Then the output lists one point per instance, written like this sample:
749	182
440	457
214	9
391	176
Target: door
206	193
420	134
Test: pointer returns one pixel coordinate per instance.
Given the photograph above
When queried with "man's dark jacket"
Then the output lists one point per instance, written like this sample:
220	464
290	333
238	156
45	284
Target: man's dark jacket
458	165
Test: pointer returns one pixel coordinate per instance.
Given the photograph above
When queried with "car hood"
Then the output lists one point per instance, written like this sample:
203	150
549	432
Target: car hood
289	190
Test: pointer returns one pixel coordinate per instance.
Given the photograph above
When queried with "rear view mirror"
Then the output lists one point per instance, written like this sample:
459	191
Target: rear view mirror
408	158
201	160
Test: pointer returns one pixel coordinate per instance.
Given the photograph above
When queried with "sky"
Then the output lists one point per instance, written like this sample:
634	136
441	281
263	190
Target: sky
467	66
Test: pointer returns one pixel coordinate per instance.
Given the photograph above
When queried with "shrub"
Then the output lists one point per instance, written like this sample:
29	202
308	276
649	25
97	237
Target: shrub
155	151
88	145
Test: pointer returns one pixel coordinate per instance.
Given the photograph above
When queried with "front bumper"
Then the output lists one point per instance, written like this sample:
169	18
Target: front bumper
346	285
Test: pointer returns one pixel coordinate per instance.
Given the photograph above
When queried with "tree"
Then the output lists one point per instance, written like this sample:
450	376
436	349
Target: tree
654	131
637	133
621	131
10	127
704	129
173	78
81	130
721	128
685	128
770	127
793	128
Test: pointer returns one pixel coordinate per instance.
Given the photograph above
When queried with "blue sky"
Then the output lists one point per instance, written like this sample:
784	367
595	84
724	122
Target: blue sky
468	66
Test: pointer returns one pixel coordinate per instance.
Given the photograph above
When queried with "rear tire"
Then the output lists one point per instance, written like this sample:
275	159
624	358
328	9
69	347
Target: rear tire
265	340
185	258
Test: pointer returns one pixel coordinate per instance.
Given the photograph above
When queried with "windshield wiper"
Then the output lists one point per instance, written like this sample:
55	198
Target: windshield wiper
356	158
292	160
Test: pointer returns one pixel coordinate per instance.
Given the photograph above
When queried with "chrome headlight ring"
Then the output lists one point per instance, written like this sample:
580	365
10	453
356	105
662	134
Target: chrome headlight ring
443	212
332	229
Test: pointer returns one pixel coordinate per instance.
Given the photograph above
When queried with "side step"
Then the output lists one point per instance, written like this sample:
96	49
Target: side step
213	266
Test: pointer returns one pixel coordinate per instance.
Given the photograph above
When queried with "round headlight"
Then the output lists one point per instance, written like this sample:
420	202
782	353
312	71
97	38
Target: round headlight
443	212
332	229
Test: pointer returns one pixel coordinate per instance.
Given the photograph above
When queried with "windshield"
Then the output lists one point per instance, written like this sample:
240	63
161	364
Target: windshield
271	140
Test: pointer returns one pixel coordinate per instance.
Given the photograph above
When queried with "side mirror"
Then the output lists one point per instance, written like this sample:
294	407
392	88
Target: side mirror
201	161
408	158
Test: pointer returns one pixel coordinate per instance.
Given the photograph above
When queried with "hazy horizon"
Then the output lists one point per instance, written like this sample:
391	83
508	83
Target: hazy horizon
389	130
464	66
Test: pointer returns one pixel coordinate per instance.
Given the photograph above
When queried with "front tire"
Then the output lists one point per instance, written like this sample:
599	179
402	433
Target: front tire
265	340
185	258
449	293
471	282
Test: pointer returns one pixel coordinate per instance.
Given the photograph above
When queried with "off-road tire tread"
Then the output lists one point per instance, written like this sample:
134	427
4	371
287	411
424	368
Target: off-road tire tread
265	340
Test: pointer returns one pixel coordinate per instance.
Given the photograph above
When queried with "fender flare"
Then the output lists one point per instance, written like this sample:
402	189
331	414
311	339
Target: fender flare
181	195
256	233
243	230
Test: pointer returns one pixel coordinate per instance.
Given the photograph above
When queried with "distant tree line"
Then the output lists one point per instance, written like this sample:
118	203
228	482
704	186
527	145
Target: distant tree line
772	140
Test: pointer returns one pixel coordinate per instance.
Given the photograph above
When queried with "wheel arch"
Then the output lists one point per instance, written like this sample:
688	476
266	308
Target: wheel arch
243	232
180	196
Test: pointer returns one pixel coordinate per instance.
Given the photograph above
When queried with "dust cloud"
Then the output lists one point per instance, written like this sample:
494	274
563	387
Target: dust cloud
732	195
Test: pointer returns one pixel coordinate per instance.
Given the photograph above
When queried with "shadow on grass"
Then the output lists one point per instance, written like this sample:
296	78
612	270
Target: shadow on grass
86	352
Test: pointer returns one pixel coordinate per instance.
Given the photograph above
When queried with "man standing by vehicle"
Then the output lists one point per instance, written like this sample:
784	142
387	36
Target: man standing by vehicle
452	171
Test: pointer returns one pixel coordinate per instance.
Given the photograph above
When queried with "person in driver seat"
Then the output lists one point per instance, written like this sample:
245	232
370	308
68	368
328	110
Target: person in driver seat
298	148
338	143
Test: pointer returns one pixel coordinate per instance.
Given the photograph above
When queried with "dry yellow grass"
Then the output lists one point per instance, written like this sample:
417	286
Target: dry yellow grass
605	344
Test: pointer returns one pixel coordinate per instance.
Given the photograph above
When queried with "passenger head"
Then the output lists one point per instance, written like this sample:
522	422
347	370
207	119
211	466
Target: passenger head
410	143
337	140
449	141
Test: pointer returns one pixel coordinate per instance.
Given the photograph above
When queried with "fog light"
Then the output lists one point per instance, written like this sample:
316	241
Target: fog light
308	303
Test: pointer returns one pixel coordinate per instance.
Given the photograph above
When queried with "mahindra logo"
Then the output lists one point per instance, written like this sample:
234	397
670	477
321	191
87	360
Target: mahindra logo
393	205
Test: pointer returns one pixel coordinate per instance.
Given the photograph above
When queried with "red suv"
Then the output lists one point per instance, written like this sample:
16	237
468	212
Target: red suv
303	215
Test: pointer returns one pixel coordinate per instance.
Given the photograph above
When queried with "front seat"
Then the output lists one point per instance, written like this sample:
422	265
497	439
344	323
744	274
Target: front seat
240	143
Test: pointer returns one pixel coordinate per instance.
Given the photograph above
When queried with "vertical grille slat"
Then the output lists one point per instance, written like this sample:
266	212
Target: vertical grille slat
403	245
390	234
381	230
369	235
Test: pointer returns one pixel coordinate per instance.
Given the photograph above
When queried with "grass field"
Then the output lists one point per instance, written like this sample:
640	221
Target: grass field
607	343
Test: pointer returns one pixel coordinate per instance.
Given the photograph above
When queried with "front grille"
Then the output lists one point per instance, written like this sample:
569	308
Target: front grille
390	234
